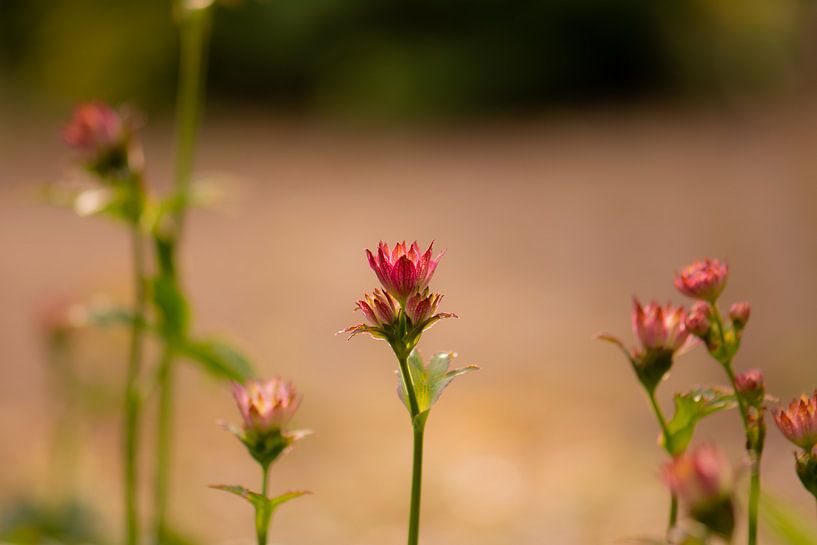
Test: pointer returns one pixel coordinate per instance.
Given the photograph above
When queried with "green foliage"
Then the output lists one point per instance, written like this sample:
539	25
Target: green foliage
690	408
430	381
264	507
217	358
790	528
29	522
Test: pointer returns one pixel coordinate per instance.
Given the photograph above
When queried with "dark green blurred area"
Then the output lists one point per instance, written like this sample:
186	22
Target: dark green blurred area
409	58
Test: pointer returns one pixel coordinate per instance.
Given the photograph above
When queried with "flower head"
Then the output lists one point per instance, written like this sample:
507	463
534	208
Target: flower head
403	271
102	135
697	320
380	309
421	308
700	476
703	479
659	328
266	405
798	421
750	382
703	280
739	314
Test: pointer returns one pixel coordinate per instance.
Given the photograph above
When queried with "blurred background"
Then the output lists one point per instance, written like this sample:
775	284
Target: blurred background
567	154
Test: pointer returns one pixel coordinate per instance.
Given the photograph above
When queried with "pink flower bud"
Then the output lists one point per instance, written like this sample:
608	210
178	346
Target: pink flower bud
95	128
739	314
421	306
379	309
659	328
266	406
749	382
703	279
697	321
403	271
798	421
702	477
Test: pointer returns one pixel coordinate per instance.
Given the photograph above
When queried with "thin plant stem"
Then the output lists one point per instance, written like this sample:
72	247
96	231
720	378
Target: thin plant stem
755	455
662	421
164	441
417	456
261	518
754	497
195	35
416	486
133	399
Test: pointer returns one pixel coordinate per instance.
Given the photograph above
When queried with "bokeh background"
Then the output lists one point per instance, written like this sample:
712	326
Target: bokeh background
567	154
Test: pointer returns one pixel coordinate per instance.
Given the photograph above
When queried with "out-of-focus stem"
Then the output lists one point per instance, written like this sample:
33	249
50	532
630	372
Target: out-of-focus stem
164	441
133	401
416	486
194	37
755	455
662	421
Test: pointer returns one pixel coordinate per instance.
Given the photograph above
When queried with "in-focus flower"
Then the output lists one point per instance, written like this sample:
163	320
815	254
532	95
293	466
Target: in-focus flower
266	405
661	334
403	271
703	280
421	309
739	314
380	309
703	480
102	135
798	421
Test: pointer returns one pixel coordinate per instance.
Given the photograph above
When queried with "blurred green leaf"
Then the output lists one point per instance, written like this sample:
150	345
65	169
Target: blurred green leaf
787	524
430	381
218	358
29	522
690	408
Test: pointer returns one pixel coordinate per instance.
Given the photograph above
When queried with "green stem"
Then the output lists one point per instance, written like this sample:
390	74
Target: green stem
132	406
754	498
194	46
754	484
416	486
261	516
195	33
164	441
662	421
408	384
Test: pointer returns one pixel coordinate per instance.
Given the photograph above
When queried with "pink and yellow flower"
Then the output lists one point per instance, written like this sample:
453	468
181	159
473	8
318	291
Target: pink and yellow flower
798	421
703	280
380	309
700	477
659	328
422	307
403	271
266	405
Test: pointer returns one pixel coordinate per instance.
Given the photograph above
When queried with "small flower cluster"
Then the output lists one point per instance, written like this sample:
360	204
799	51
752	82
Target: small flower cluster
404	307
701	478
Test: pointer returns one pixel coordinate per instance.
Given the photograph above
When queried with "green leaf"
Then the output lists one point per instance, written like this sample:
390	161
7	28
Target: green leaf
264	507
287	496
690	408
218	358
790	527
430	381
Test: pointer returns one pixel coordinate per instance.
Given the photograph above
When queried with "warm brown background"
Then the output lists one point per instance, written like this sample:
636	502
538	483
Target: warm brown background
550	226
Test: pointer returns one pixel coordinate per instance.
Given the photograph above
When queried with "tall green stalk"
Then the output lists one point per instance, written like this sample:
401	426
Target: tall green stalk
418	426
194	43
261	518
132	399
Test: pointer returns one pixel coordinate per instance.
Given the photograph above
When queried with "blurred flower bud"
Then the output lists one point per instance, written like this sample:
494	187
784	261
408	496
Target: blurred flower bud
739	314
403	271
697	320
749	384
806	467
798	421
703	480
266	407
703	280
103	137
